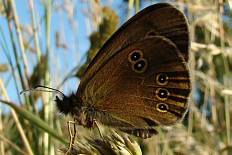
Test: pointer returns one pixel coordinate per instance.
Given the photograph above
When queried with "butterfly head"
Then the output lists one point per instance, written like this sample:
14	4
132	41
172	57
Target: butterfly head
69	104
73	106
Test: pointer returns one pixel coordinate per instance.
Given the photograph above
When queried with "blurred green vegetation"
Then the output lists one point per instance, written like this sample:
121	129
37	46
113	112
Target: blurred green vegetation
106	28
31	129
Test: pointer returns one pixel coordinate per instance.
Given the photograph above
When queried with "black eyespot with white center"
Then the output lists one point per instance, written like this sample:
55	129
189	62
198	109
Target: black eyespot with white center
135	56
162	79
162	107
140	66
162	93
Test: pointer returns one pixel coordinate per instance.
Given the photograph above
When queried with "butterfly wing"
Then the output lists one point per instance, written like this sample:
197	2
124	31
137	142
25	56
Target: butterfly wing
159	19
143	85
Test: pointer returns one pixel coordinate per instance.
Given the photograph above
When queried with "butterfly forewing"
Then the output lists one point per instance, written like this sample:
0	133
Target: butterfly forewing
159	19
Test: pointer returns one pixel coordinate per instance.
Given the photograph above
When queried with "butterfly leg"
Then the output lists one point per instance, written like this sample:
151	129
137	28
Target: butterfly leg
72	136
98	128
142	133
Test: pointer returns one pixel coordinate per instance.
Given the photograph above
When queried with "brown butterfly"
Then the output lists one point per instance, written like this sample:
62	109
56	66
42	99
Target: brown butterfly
139	79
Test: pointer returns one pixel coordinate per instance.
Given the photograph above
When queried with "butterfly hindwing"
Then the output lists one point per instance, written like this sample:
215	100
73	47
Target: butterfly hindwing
145	84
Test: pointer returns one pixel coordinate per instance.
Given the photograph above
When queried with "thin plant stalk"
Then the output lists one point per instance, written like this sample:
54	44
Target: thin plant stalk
12	145
34	27
192	67
20	39
136	6
1	131
17	122
35	120
48	108
24	83
6	52
227	72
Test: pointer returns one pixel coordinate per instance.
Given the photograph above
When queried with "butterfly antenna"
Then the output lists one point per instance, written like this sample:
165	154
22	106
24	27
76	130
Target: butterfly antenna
36	88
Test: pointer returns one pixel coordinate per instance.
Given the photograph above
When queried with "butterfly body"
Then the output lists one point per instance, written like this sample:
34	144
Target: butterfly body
140	78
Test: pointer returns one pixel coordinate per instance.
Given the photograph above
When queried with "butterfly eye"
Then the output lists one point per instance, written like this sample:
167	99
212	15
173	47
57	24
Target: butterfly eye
162	94
162	107
140	66
135	55
162	79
